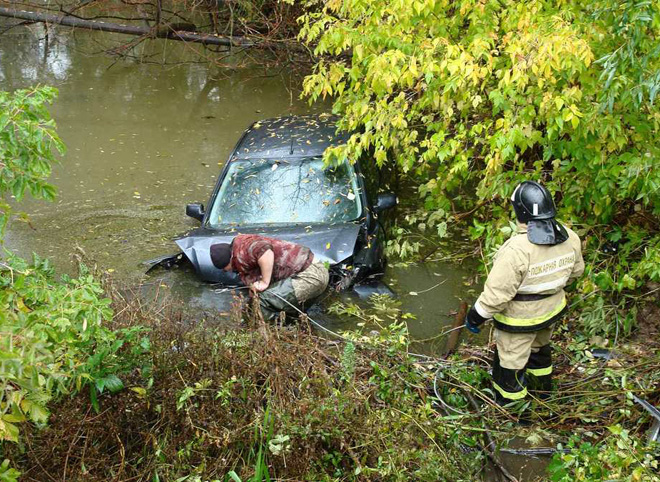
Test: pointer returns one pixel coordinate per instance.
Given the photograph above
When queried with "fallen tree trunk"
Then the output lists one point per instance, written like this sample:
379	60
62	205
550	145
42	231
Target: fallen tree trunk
162	32
452	341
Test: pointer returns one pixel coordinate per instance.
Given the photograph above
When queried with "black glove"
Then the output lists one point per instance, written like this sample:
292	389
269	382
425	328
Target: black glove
473	320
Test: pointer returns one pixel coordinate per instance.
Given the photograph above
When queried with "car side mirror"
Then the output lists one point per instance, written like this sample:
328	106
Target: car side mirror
385	201
195	210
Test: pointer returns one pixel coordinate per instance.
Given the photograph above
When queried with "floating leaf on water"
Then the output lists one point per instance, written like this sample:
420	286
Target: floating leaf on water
327	246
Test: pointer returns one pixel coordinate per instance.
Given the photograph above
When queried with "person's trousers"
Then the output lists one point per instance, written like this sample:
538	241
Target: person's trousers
521	359
290	295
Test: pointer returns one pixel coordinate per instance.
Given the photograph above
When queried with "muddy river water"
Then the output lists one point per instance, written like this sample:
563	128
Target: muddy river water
144	139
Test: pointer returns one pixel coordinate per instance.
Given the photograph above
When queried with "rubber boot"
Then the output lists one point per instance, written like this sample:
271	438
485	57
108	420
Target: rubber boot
279	297
543	389
509	385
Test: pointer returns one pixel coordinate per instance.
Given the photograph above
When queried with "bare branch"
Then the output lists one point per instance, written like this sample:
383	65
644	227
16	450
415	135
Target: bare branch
165	32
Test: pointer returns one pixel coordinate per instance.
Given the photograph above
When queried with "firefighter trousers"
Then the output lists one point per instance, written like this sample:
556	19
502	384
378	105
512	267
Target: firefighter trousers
522	358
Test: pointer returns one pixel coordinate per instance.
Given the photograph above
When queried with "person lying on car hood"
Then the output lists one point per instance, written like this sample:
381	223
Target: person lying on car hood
286	274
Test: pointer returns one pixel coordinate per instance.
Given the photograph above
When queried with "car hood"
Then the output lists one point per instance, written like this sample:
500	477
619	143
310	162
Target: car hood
331	243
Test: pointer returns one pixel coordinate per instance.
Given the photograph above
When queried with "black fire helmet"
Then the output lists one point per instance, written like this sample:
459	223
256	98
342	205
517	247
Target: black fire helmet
534	206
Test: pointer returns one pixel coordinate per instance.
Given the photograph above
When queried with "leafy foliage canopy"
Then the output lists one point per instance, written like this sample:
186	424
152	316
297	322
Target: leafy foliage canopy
469	98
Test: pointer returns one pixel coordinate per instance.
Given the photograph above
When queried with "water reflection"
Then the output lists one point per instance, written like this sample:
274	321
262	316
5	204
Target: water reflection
34	58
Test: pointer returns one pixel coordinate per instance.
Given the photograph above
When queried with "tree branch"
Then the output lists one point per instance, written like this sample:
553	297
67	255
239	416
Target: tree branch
164	32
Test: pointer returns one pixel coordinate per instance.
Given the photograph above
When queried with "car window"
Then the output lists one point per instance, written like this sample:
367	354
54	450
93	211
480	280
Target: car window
269	191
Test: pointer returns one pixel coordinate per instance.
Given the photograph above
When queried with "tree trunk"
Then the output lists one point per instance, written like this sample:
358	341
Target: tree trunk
163	32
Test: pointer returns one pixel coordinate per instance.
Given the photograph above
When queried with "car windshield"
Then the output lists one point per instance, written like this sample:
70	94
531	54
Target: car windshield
270	191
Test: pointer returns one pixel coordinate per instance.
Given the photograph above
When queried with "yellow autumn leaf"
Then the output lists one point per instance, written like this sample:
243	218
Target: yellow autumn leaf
574	122
21	306
507	77
140	391
8	431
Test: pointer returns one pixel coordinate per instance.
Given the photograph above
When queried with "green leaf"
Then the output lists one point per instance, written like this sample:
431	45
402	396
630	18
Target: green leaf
442	229
93	399
234	476
7	473
113	383
14	418
37	412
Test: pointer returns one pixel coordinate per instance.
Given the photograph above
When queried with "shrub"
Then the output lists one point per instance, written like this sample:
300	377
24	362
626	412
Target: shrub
54	335
617	457
55	339
28	142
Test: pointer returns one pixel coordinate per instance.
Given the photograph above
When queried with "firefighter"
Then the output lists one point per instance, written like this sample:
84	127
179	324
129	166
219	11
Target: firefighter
524	294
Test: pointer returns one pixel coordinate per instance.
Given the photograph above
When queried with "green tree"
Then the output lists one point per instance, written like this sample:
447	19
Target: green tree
28	143
469	98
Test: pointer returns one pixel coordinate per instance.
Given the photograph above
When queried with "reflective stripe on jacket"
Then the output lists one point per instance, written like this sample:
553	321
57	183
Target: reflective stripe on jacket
521	267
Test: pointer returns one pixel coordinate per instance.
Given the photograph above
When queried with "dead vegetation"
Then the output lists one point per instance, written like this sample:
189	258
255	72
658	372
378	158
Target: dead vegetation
230	395
213	399
223	28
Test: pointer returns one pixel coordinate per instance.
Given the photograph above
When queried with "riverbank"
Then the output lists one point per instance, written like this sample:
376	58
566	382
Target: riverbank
146	391
232	398
210	400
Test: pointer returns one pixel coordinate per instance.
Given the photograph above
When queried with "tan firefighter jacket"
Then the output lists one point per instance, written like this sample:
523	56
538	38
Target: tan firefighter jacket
524	290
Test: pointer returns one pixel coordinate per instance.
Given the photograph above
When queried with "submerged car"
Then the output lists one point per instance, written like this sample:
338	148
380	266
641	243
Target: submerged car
276	184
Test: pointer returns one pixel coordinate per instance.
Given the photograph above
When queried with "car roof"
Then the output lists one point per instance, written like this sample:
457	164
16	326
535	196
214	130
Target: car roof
288	137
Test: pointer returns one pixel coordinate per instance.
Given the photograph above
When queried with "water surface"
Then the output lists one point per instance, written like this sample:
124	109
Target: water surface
145	139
